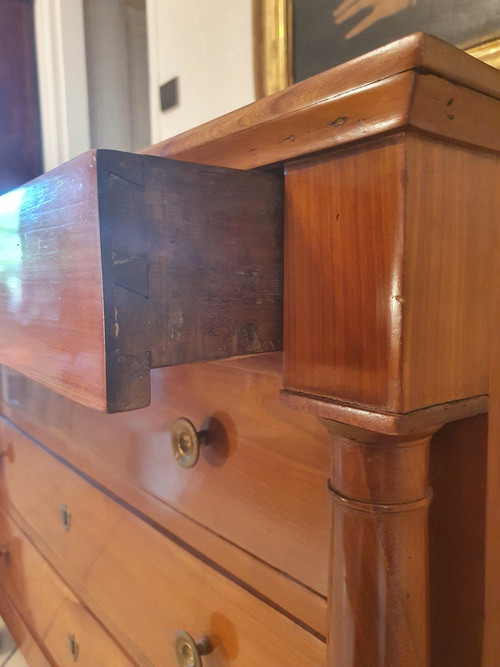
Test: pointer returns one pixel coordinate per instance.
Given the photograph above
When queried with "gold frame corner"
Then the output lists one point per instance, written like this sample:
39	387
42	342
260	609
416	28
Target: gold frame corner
273	39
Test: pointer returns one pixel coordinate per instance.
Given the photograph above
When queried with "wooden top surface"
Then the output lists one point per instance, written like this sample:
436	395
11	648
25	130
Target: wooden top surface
381	70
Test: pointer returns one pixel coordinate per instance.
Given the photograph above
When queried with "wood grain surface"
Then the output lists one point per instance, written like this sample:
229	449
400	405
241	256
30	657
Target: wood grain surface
491	644
381	90
451	231
118	263
343	258
273	463
33	653
379	597
389	260
49	608
356	114
390	423
144	587
51	297
457	527
384	257
457	476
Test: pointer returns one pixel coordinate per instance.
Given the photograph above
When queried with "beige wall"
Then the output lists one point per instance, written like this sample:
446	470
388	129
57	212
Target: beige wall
208	45
117	73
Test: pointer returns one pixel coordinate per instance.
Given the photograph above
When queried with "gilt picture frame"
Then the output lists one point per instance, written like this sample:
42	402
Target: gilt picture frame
295	39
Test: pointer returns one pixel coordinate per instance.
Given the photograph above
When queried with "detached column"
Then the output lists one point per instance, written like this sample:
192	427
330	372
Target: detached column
388	250
378	593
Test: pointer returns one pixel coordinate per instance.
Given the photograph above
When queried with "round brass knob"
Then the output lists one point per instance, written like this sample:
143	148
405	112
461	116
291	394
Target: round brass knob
187	442
188	652
4	550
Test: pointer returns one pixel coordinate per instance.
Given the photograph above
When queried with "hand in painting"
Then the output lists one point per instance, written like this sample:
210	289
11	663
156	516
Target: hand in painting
380	9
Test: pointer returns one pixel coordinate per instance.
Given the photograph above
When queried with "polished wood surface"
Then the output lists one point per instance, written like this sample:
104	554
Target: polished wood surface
257	457
51	294
20	140
388	275
382	90
391	206
444	109
343	255
49	608
446	350
145	587
99	286
374	109
390	423
379	606
491	645
361	224
31	650
457	523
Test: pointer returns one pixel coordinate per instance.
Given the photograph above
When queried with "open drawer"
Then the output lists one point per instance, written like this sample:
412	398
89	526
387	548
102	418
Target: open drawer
116	263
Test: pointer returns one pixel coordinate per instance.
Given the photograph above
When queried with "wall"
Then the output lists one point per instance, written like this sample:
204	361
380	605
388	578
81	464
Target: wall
117	73
208	45
62	80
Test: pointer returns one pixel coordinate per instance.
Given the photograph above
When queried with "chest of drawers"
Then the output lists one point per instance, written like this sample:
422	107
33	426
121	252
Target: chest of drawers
306	533
136	577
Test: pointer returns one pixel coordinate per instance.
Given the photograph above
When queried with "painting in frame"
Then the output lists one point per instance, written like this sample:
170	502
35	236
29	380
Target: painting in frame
295	39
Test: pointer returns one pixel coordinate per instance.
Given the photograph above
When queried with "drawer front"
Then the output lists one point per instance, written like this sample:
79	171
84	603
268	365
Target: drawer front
261	482
32	652
53	615
144	586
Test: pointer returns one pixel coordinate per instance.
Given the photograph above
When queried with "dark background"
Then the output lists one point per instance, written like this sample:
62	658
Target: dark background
319	44
20	140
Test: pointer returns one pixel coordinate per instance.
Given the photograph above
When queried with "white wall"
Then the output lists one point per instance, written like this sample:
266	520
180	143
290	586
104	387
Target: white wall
208	45
116	48
62	79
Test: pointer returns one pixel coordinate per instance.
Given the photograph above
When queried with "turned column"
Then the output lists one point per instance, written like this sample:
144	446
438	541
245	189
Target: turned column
379	606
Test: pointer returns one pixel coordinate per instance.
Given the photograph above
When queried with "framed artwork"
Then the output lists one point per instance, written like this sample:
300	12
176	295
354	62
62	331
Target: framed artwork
295	39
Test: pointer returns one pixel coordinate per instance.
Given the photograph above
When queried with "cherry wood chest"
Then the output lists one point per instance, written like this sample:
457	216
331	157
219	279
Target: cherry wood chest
246	415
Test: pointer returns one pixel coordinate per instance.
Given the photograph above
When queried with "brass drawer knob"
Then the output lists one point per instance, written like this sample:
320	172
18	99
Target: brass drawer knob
188	652
187	442
4	551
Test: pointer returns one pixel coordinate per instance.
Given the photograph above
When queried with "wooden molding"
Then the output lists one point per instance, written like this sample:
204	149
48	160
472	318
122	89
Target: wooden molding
385	422
379	92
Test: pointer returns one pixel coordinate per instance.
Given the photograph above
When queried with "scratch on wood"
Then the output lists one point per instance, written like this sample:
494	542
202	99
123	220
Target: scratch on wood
339	121
114	175
174	325
130	289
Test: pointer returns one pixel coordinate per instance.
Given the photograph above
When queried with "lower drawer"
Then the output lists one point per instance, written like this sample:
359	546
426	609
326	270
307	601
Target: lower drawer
261	483
143	586
22	636
53	615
